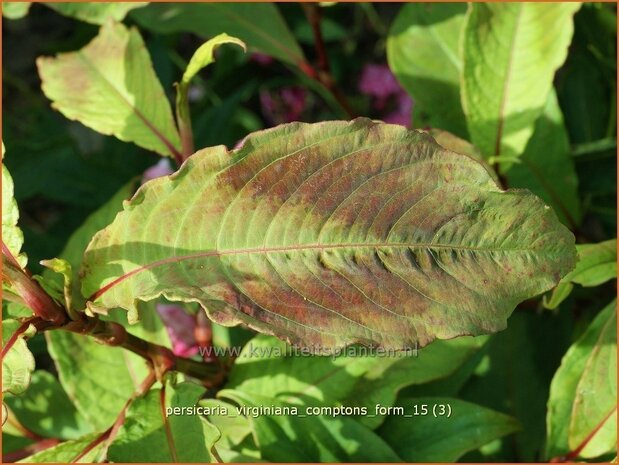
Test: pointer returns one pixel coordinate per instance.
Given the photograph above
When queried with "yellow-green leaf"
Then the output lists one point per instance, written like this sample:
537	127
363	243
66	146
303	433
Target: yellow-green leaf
510	54
423	53
111	87
582	407
205	55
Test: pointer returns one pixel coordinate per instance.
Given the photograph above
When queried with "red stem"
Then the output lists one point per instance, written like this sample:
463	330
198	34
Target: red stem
323	73
573	455
109	434
30	450
166	425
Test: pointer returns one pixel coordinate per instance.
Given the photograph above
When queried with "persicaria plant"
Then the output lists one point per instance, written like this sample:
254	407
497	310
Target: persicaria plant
334	288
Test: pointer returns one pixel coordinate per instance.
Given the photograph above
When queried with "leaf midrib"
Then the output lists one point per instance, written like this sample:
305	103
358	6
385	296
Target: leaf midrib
595	351
151	126
298	248
508	73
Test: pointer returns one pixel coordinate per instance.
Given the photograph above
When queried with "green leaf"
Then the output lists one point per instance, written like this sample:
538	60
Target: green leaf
583	393
14	310
205	55
259	25
426	438
17	361
46	410
310	438
514	378
597	263
111	87
12	236
76	245
150	435
79	359
236	443
269	367
15	10
507	75
547	168
95	12
95	374
333	233
83	450
423	53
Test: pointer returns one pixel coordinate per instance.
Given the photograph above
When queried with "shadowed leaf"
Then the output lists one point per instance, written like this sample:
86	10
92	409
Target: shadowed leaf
546	167
423	53
268	367
310	438
259	25
46	410
152	435
424	438
333	233
583	394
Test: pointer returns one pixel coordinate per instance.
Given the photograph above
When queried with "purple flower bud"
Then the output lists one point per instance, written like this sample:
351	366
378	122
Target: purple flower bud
161	168
283	106
180	326
378	81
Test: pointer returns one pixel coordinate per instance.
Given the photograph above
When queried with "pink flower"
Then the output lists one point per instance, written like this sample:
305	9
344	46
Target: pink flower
181	329
402	112
283	106
261	59
161	168
388	97
378	81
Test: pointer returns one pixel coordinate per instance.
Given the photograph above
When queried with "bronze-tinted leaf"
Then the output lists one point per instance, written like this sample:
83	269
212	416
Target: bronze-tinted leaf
333	233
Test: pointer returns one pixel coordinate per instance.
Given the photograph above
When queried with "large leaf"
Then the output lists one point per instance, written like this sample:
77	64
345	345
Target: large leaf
419	437
150	434
46	410
546	167
583	394
17	361
111	87
519	389
95	12
507	75
308	437
423	53
80	361
597	263
332	233
266	367
259	25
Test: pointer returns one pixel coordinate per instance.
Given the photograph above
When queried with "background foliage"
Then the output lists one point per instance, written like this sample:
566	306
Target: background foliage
523	394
